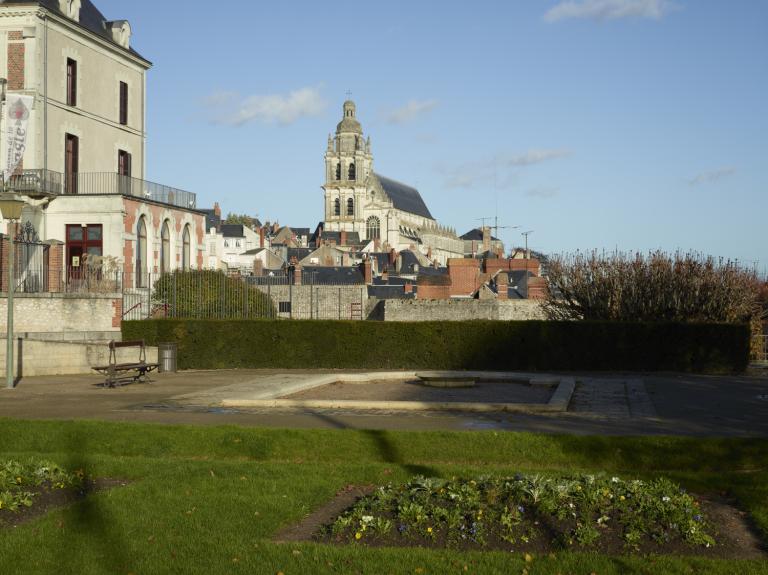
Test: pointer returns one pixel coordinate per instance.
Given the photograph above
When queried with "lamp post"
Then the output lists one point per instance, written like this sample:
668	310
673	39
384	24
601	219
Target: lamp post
11	206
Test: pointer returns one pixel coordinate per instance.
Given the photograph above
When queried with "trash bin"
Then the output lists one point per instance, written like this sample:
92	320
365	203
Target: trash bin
167	357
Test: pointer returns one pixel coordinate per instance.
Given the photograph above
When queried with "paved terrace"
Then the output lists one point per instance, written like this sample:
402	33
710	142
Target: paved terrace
611	404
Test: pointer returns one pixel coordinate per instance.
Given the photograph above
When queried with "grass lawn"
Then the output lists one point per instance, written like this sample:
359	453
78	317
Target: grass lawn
208	499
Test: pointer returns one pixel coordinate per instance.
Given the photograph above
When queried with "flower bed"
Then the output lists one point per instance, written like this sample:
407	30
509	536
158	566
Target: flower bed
22	482
528	513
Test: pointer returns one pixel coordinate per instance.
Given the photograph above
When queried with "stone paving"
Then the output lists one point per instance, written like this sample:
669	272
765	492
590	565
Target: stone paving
612	398
612	404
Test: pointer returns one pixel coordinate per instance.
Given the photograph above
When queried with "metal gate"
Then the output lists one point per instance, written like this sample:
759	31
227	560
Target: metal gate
31	261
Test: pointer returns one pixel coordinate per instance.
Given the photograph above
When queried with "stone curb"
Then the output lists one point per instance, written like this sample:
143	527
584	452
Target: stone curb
557	403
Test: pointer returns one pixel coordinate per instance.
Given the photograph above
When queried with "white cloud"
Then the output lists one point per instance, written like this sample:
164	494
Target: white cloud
608	9
411	111
712	176
544	193
499	171
532	157
268	109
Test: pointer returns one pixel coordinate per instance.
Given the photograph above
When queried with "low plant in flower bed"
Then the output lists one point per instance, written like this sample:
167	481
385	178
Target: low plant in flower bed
21	482
527	512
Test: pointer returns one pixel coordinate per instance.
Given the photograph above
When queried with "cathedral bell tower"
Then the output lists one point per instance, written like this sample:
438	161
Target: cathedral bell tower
348	164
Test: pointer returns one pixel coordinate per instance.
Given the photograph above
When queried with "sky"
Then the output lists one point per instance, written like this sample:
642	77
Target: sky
594	124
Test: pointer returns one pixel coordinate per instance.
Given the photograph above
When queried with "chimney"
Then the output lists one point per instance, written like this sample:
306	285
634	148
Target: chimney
343	238
261	237
367	271
502	285
392	256
486	239
429	253
296	267
399	263
376	245
216	210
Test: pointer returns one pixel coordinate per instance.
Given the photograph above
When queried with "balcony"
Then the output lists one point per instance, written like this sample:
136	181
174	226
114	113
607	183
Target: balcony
46	183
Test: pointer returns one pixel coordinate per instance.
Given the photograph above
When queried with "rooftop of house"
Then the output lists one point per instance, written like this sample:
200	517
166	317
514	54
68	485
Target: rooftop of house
477	236
91	19
233	230
326	275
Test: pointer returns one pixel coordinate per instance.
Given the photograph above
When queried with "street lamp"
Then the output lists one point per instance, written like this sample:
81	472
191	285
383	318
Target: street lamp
11	206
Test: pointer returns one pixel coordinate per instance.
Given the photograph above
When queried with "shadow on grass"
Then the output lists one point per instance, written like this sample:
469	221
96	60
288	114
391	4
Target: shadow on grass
90	519
652	453
385	446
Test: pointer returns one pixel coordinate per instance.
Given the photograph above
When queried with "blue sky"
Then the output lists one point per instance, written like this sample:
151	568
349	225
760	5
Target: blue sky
629	124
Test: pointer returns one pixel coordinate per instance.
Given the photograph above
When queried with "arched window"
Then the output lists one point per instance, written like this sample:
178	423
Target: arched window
141	253
352	171
165	251
350	207
338	171
373	226
337	207
185	252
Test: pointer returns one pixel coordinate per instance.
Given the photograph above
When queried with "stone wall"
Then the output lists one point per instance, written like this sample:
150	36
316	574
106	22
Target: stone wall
62	313
461	310
320	302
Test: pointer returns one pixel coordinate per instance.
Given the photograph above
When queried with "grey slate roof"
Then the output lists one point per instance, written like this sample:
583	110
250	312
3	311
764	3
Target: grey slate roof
324	275
476	235
404	197
91	19
232	231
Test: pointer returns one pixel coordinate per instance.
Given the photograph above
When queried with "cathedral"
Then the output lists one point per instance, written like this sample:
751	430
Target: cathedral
384	212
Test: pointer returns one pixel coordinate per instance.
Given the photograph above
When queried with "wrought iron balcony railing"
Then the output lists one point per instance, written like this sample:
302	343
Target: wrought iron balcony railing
49	183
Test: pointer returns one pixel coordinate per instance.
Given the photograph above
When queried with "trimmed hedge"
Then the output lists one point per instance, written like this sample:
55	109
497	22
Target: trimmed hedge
486	345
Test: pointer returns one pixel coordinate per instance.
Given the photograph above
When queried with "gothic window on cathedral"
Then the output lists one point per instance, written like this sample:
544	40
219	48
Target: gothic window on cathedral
338	171
373	228
350	207
337	207
352	171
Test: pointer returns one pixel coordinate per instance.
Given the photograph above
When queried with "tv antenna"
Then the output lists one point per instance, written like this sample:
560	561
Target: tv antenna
526	234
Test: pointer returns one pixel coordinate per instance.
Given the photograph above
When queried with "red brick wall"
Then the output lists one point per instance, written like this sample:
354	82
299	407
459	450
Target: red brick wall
464	274
16	52
434	292
537	288
117	318
492	266
55	268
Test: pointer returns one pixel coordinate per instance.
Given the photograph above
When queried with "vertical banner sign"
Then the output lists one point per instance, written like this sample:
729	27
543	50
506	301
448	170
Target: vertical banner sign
16	131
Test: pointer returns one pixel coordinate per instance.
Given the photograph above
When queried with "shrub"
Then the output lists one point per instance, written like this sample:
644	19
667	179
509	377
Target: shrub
656	287
480	345
206	293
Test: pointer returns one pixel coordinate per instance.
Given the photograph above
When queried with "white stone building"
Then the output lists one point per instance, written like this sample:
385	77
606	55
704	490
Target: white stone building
82	172
390	213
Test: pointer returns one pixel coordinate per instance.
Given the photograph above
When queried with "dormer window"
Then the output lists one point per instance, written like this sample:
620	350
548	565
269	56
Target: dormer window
70	9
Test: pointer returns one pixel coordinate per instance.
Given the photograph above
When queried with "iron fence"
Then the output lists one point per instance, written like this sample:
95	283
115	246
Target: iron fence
33	182
760	349
215	295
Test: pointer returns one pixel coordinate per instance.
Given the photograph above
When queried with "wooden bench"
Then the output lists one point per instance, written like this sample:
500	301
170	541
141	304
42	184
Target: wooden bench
136	371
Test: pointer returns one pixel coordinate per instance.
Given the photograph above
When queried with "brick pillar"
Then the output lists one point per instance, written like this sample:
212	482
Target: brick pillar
16	69
55	266
297	274
367	271
258	267
502	285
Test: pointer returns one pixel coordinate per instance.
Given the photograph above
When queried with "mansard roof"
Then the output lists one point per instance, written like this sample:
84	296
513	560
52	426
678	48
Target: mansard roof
91	19
404	197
